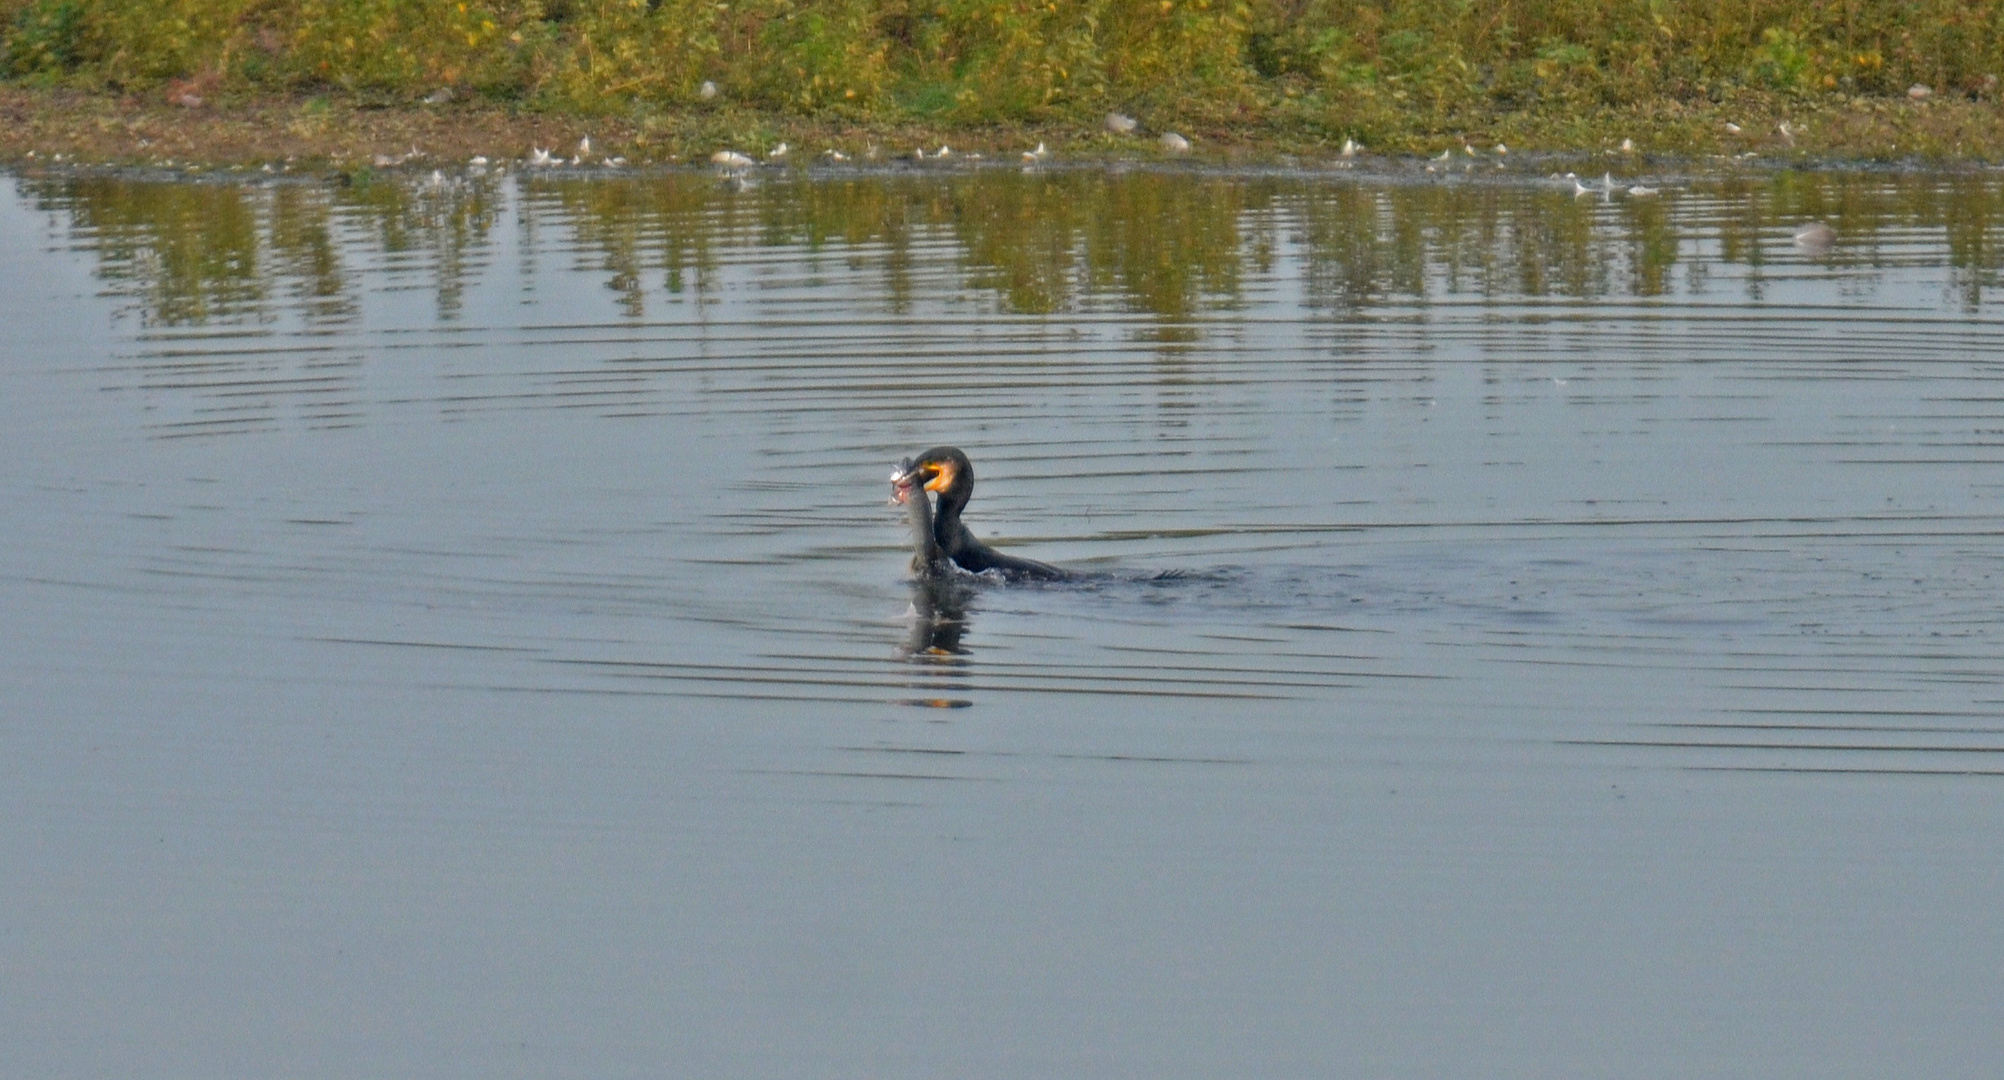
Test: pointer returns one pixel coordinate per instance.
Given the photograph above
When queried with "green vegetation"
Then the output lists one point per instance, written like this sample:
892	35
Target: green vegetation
1368	67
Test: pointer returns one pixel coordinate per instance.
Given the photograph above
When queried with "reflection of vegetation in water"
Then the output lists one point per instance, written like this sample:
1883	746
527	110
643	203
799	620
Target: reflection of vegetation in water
1040	243
1653	243
1165	240
1976	262
1879	221
443	221
1348	232
1371	244
1169	244
307	255
1876	230
1366	245
1044	243
184	253
675	226
662	225
188	253
1020	236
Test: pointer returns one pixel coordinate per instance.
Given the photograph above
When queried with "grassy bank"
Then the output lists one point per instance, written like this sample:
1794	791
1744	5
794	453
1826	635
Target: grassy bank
667	77
328	130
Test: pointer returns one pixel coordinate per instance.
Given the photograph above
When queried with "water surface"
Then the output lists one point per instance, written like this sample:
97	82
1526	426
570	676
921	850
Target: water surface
454	627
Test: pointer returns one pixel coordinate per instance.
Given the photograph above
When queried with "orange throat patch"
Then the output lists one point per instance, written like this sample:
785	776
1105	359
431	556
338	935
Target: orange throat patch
943	479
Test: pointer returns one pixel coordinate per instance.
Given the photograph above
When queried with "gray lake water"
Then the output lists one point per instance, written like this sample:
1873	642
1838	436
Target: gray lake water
457	629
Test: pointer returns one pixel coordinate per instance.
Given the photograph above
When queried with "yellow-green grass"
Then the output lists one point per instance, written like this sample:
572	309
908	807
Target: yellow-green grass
673	76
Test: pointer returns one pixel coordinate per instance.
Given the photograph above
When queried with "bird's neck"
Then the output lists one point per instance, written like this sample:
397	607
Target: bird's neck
946	524
953	500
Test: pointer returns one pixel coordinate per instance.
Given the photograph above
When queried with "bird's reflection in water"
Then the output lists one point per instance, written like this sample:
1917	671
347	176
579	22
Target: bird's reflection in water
933	644
938	618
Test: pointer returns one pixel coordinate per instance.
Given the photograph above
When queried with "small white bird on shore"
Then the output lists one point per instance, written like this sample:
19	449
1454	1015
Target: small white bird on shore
776	152
1121	124
1039	154
708	91
1350	147
540	158
1174	143
731	160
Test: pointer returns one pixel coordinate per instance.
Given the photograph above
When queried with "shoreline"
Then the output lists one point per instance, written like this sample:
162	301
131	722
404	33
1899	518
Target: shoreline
329	133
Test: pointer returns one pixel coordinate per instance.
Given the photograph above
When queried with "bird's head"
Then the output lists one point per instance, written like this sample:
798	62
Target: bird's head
942	469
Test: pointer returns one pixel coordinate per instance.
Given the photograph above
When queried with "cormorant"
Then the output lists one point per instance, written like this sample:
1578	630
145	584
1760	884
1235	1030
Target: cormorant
946	471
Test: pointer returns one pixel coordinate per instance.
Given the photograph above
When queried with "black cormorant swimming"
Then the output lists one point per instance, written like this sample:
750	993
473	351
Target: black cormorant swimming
945	471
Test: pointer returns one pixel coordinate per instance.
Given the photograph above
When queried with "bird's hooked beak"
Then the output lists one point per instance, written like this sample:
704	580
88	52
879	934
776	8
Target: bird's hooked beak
910	476
905	479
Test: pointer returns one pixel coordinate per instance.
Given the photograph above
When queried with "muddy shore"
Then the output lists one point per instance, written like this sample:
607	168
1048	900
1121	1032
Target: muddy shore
329	132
